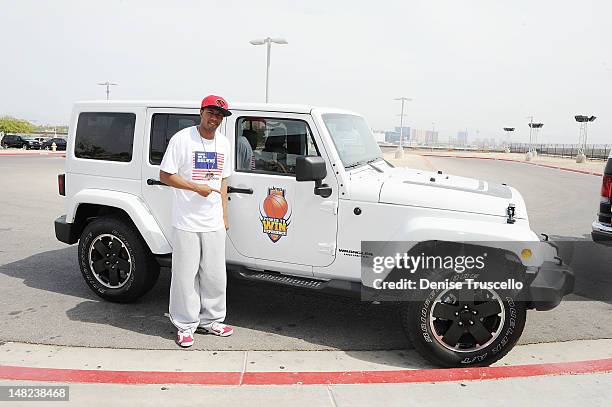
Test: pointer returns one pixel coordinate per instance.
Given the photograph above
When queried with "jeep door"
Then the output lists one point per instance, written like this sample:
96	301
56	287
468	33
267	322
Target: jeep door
162	124
274	219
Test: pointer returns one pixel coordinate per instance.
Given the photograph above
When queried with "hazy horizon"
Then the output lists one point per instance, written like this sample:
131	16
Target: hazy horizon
477	65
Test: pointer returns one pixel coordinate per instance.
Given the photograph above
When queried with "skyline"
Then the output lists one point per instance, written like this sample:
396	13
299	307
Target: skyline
480	67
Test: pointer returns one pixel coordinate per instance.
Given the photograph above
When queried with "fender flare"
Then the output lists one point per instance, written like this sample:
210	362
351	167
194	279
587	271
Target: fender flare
511	237
136	209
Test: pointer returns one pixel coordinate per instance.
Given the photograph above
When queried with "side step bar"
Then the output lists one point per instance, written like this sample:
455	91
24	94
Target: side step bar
337	287
278	278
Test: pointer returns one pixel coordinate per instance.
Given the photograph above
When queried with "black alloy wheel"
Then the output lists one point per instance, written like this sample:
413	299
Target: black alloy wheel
466	327
115	260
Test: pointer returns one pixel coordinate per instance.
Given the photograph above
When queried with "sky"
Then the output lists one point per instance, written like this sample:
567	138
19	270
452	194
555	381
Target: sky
479	65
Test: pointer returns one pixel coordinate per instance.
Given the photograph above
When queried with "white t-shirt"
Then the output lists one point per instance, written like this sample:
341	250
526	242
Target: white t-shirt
200	161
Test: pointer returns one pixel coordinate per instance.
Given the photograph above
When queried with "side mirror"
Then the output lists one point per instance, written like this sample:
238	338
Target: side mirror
312	168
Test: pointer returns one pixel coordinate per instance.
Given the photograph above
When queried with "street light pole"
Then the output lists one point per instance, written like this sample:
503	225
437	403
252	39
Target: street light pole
534	129
108	85
400	149
434	139
508	131
530	130
269	49
582	139
268	42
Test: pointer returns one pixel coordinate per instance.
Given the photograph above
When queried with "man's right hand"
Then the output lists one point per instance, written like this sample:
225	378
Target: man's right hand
204	190
174	180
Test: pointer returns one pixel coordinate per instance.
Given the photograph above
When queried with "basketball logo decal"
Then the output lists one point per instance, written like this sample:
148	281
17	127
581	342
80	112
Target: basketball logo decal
273	214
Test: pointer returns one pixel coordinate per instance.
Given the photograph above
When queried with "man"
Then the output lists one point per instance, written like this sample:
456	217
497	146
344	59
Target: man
244	153
197	163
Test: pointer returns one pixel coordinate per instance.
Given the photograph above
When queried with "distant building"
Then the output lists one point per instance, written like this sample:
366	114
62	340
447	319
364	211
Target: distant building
431	137
418	136
394	136
379	136
405	131
462	138
391	137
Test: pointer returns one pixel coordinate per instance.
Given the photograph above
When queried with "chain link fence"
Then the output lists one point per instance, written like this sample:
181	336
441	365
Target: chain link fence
593	151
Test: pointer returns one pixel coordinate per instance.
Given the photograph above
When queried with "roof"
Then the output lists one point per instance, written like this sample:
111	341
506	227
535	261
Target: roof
195	104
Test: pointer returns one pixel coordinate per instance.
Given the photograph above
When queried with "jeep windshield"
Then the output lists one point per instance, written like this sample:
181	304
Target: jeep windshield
353	139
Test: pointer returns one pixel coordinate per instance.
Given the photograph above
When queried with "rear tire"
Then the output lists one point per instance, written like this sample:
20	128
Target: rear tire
115	260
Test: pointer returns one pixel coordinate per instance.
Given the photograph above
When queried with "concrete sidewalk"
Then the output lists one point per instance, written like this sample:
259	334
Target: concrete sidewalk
191	360
540	374
591	390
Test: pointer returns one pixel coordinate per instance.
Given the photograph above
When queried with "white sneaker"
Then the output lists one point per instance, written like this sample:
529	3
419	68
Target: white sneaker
219	329
184	339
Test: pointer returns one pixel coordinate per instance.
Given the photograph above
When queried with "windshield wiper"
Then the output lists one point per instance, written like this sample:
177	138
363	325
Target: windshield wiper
382	158
388	163
353	165
370	164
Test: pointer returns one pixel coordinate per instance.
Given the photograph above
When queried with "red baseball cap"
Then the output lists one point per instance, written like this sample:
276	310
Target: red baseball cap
216	102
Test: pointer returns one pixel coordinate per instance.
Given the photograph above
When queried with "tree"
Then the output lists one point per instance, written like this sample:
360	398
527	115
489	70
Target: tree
12	125
63	129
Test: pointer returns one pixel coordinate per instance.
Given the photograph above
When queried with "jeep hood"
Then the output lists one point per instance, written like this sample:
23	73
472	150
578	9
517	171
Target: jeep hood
404	186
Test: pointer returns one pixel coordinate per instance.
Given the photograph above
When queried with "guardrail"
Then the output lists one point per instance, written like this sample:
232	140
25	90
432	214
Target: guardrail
593	151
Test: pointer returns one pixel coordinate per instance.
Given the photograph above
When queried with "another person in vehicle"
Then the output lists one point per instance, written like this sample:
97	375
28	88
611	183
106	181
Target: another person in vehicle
244	153
197	163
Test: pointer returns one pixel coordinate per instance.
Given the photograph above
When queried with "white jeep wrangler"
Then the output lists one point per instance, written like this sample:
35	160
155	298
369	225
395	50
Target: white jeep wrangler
316	187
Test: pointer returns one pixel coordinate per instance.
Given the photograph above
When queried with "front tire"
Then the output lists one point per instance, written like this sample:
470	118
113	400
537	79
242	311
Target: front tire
115	261
452	329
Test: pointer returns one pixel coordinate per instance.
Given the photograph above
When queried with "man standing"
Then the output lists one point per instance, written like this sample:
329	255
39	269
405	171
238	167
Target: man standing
197	163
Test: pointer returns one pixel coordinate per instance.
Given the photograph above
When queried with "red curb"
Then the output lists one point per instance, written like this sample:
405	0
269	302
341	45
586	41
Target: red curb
306	378
598	174
430	375
117	376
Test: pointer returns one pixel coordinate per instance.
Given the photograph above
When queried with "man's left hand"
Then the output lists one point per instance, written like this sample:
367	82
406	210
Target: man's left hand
226	223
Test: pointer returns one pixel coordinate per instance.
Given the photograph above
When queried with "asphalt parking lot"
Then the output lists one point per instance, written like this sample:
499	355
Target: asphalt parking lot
45	300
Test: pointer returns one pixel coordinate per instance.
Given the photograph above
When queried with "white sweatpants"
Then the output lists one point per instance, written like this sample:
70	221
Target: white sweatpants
199	279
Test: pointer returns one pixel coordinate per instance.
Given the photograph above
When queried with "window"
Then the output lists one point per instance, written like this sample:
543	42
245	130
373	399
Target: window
270	145
105	136
353	139
165	126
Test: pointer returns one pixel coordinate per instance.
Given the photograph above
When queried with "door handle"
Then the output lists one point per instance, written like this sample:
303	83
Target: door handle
152	181
235	190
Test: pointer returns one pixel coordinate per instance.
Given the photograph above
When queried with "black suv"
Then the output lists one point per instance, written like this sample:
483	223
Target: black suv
602	227
13	140
60	144
32	143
